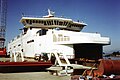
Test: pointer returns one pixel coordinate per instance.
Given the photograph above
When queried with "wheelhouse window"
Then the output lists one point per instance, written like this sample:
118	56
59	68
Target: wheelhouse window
37	21
33	21
45	23
41	32
30	21
27	21
55	22
60	23
25	30
51	22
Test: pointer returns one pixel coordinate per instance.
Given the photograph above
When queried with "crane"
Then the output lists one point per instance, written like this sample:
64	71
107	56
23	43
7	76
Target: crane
3	14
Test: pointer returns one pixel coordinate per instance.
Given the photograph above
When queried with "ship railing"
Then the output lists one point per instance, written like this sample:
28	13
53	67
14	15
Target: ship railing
31	16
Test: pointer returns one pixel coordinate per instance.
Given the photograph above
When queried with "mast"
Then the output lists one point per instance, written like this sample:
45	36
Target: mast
50	14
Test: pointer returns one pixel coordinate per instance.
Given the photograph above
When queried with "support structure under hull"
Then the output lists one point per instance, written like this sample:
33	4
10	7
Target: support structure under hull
8	67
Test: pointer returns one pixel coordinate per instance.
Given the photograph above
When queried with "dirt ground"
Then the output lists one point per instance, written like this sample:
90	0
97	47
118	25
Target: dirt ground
32	76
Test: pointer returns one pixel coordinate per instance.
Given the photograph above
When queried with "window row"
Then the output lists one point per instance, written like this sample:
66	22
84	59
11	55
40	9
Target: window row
74	25
53	22
48	22
60	38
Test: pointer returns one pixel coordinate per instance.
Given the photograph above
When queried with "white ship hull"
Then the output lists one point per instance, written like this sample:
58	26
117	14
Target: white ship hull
49	34
61	41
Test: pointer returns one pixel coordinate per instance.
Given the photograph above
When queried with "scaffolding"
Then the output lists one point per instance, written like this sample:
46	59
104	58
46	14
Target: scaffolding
3	13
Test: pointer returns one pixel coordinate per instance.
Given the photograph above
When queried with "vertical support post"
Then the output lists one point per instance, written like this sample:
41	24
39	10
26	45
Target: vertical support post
11	56
22	56
14	54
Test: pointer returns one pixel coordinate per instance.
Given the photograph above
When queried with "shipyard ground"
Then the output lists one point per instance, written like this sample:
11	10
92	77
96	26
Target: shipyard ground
31	76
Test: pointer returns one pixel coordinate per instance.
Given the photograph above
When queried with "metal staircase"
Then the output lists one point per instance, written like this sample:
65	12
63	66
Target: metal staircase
60	68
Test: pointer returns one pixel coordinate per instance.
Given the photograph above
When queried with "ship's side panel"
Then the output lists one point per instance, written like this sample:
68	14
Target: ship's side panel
37	41
24	39
30	49
25	44
29	43
14	45
37	45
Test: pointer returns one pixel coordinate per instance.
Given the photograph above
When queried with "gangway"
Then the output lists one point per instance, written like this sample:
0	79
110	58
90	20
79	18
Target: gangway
63	68
60	67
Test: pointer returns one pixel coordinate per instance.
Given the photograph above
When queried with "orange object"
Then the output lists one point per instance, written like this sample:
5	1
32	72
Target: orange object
108	67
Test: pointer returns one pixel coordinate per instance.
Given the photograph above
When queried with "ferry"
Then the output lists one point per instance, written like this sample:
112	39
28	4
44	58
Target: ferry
57	41
47	34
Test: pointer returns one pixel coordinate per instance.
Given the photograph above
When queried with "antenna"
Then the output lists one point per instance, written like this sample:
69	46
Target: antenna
50	14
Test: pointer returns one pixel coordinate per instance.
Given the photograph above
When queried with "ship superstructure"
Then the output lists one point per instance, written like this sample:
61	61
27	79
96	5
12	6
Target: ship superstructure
53	34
